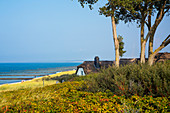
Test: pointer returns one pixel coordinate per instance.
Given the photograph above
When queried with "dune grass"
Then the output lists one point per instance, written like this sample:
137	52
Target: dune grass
34	83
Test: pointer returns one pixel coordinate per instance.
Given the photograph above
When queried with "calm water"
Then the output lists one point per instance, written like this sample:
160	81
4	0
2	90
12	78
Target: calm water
32	69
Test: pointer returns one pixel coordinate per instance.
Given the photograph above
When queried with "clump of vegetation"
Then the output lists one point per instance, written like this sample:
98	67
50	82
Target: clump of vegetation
121	46
65	77
140	79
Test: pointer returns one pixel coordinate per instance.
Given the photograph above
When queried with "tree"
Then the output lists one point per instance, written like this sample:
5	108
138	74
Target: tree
110	9
158	6
164	44
139	14
162	7
142	13
113	9
121	46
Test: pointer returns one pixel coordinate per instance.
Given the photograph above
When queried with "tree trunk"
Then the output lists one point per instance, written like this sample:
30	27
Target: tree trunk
142	55
152	56
116	42
164	44
142	41
151	59
150	49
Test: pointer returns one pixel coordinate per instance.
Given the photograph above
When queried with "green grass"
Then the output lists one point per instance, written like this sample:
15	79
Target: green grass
27	84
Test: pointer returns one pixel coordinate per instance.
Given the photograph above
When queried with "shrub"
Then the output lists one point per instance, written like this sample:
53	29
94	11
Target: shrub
65	77
131	79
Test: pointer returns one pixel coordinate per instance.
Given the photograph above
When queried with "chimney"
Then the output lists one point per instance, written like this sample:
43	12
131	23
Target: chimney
96	62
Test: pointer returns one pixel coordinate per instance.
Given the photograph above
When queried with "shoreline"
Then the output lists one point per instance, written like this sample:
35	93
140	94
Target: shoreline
59	73
46	72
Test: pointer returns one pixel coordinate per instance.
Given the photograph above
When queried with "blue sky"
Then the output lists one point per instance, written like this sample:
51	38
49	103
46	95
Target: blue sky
61	30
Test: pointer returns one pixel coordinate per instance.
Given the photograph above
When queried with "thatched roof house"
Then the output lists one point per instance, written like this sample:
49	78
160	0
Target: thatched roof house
88	66
94	66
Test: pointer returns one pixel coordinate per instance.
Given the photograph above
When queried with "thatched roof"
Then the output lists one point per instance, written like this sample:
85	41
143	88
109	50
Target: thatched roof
88	66
160	57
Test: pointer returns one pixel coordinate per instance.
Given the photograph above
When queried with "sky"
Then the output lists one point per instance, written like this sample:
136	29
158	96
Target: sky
63	31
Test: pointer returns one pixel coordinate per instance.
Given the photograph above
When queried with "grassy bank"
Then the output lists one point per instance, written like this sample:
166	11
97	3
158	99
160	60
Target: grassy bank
66	97
34	83
132	88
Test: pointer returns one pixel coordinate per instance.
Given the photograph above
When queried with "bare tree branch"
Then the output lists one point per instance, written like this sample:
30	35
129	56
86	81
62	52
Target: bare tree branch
147	24
165	42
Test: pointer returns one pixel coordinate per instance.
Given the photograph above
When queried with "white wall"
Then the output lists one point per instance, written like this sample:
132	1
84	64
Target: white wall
80	72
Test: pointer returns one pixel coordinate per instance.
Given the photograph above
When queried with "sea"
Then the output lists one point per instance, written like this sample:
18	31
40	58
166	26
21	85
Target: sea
32	69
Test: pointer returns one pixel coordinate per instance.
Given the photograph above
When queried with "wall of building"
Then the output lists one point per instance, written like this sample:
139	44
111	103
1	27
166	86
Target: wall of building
80	72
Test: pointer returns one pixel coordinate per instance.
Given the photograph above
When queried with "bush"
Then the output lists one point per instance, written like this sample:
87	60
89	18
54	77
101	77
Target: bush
65	77
140	79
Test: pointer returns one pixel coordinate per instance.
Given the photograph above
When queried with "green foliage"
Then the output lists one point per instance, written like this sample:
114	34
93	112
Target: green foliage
132	79
120	9
89	2
121	46
66	98
65	77
130	10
